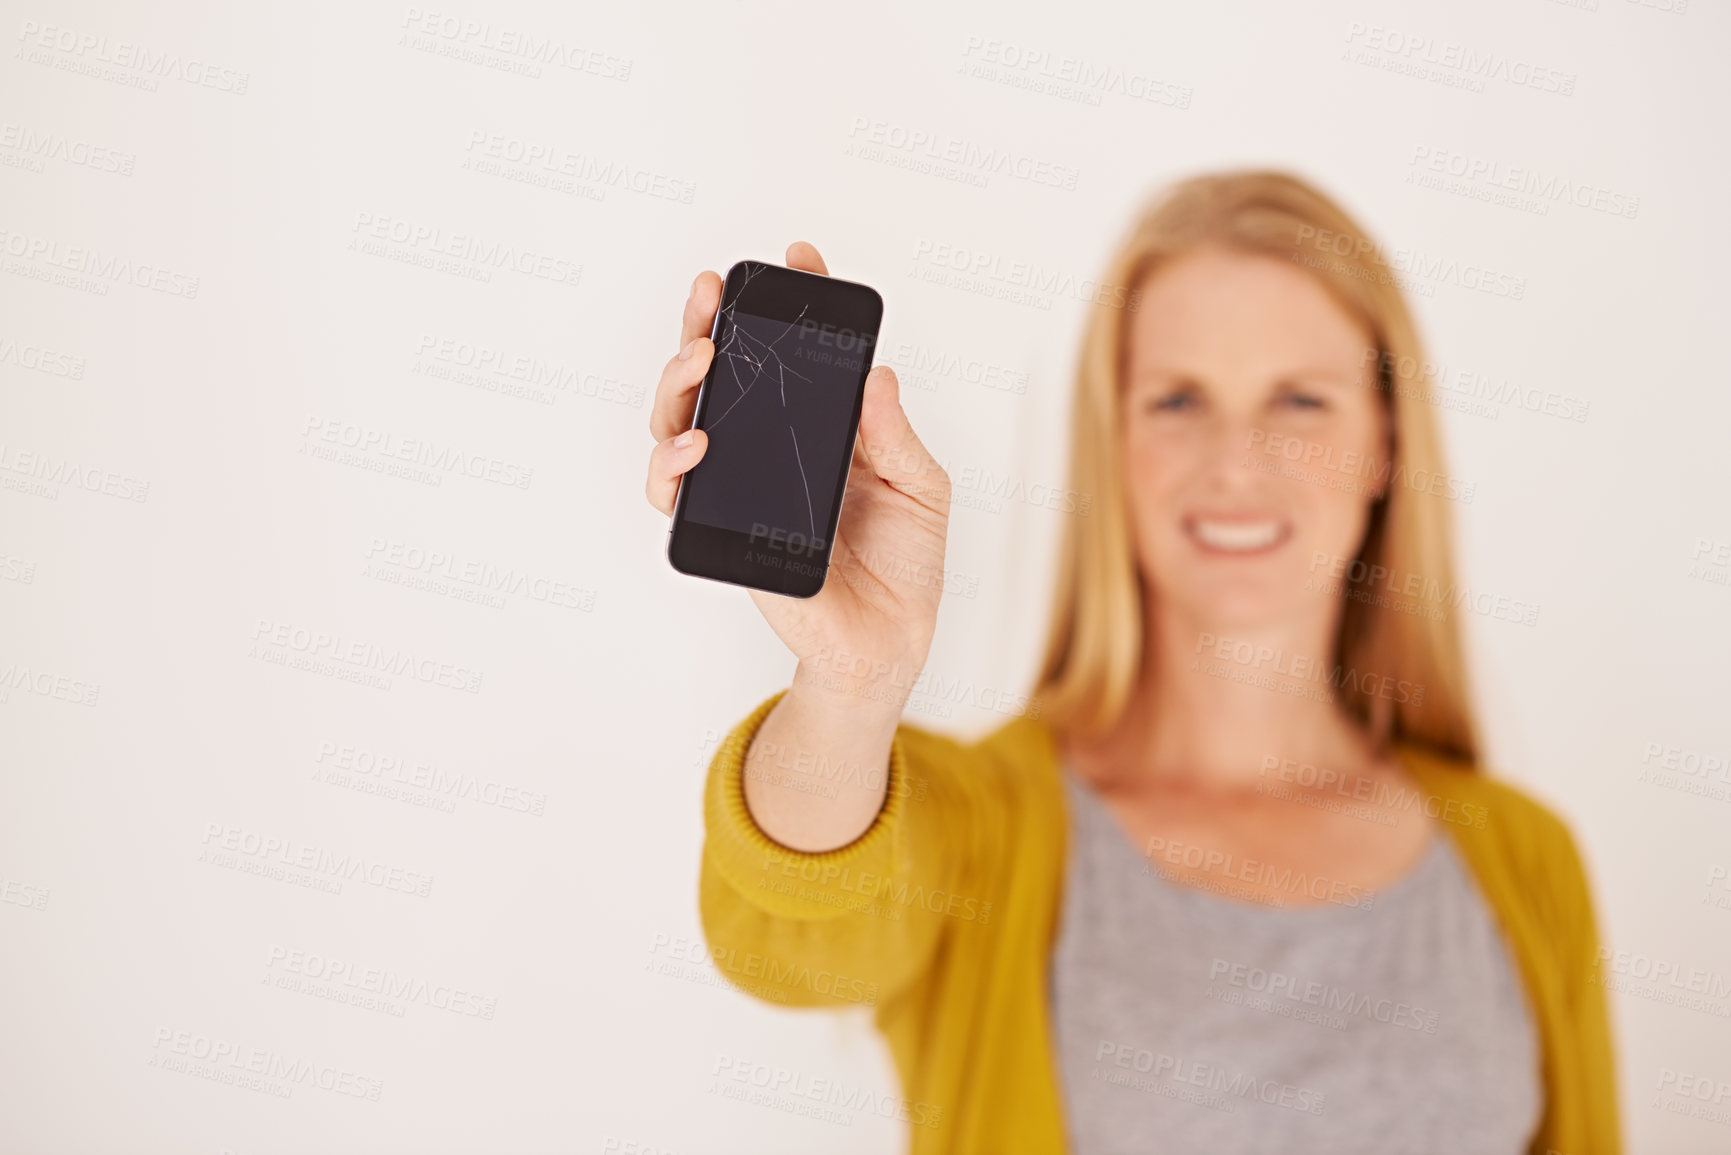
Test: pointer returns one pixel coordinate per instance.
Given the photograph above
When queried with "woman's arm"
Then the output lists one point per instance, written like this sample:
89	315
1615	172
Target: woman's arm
806	834
1585	994
815	742
848	925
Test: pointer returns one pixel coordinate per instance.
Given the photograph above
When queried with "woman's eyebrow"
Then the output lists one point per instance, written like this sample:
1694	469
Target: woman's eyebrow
1331	378
1161	373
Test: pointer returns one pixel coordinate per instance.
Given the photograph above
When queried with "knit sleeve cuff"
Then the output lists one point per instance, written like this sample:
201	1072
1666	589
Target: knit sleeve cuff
781	881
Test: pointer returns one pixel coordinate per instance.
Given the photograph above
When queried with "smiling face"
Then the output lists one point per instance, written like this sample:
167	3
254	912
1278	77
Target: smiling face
1235	364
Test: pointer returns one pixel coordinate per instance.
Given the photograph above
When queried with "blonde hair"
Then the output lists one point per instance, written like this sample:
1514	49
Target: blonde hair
1094	643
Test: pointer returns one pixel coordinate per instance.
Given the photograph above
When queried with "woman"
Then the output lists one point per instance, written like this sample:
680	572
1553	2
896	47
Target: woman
1233	882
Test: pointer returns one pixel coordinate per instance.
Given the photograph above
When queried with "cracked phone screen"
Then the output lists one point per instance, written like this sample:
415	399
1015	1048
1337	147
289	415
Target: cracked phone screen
778	421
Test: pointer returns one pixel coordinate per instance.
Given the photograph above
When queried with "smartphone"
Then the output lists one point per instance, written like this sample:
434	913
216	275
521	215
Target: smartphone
781	405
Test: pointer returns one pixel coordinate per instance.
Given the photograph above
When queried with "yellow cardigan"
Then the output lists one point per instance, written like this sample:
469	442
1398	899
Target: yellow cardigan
942	916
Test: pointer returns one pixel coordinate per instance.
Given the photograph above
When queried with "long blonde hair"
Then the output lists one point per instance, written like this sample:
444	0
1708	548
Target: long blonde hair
1094	643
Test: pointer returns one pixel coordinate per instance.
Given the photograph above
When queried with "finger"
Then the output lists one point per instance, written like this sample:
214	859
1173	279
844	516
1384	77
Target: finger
700	306
676	392
892	448
670	461
804	256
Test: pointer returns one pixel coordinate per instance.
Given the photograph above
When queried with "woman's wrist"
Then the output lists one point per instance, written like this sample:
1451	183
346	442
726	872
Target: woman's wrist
855	689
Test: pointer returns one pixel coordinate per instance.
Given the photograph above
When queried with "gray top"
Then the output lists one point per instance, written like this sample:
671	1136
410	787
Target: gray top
1191	1021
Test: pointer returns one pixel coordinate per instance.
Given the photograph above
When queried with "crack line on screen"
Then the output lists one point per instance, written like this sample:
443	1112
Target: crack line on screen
810	516
737	346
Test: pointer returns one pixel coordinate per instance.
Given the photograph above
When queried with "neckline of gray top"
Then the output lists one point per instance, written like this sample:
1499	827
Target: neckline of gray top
1398	1029
1085	806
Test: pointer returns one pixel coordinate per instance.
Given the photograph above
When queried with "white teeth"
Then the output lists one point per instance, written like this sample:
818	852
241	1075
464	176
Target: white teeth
1237	535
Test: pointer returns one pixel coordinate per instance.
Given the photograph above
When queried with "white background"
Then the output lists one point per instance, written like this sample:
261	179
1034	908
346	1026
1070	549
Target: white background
125	934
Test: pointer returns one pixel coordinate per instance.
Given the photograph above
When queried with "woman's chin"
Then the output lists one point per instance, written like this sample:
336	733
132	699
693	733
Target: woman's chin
1222	611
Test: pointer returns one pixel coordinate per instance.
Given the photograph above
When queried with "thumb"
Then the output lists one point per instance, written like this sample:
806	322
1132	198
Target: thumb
892	448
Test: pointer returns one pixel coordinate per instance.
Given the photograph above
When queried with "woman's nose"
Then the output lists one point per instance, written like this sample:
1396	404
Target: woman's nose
1231	442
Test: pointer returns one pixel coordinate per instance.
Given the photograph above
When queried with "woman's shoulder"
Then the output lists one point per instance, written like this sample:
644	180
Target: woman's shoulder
1015	745
1013	760
1492	816
1488	801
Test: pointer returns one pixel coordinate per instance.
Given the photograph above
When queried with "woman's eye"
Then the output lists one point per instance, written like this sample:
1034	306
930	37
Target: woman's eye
1303	401
1172	402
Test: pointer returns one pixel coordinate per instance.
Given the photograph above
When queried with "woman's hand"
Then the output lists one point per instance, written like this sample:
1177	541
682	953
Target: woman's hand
864	637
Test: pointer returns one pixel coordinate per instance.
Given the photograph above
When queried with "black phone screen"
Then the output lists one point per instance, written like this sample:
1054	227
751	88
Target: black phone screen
781	407
773	383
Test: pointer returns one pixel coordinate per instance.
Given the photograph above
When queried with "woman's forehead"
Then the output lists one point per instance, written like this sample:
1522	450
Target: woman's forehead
1221	307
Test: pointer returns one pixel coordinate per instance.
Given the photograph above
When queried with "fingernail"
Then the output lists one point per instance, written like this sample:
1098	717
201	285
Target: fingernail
685	353
682	440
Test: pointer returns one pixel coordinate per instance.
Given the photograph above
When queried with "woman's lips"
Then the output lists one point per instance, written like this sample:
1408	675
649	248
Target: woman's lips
1237	535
